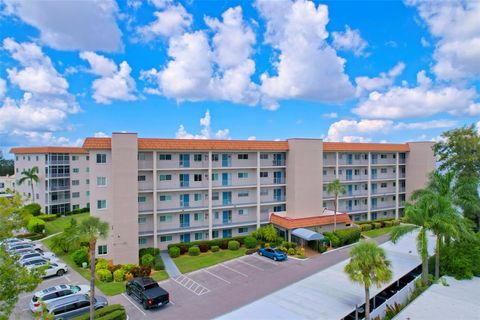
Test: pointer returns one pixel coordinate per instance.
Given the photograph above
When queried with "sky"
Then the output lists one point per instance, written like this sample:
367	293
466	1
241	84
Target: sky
353	71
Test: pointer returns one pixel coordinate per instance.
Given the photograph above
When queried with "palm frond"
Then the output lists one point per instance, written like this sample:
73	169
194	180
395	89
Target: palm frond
399	231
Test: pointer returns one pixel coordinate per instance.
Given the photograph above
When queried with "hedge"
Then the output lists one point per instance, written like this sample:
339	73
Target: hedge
233	245
32	208
80	256
377	225
147	260
151	251
158	263
211	243
193	251
36	225
250	242
366	227
31	235
101	264
104	275
250	251
119	275
76	211
174	252
381	220
343	237
47	217
215	248
101	313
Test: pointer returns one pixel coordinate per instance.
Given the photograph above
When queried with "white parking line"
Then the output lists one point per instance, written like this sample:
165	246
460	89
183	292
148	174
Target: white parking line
126	297
256	256
66	277
249	264
217	276
240	273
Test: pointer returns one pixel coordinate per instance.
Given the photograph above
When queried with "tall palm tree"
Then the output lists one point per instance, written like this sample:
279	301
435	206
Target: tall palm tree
93	229
368	266
335	188
29	175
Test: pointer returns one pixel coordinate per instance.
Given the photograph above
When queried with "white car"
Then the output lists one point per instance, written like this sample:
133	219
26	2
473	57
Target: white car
34	254
53	268
55	293
23	245
10	241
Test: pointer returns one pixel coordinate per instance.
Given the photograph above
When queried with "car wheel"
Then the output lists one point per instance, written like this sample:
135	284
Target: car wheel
274	258
129	292
145	304
60	272
260	253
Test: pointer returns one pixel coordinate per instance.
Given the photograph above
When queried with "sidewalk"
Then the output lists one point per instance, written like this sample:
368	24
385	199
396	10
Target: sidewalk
170	266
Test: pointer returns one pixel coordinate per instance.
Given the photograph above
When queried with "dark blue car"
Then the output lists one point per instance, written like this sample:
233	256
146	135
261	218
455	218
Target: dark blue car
273	253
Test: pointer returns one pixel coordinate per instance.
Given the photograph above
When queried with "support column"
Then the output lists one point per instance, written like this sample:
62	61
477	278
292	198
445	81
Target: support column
258	190
336	173
210	213
369	188
155	217
397	185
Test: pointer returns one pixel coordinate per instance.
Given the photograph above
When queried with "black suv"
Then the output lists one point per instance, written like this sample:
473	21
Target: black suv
147	292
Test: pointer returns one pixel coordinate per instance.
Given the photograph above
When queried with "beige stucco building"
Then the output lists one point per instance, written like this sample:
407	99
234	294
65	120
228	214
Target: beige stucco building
154	192
7	183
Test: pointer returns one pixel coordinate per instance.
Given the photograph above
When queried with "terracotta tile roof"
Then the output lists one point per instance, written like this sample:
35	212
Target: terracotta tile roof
293	223
30	150
348	146
192	144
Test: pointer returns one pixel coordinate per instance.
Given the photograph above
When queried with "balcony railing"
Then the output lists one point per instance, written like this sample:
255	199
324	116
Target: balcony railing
59	175
184	184
58	162
58	188
278	163
279	180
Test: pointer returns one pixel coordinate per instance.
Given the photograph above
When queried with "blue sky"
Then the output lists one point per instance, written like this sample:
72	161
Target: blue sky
382	71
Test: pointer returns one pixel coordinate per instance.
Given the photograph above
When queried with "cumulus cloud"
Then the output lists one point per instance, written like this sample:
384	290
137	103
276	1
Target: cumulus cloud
330	115
383	80
115	82
71	25
100	134
456	25
3	88
251	138
350	40
205	132
172	21
307	66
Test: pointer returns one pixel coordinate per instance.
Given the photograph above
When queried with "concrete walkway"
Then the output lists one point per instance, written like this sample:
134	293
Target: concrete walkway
47	237
170	266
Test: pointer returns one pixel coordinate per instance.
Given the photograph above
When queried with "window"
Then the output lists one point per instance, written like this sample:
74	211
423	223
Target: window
141	178
28	158
198	235
165	177
166	218
214	157
165	238
215	215
74	158
197	177
214	176
141	156
88	158
197	197
76	170
165	197
215	196
215	234
243	230
263	174
142	199
383	170
357	156
87	181
264	156
164	156
243	212
75	207
142	240
264	192
101	181
383	185
87	193
75	182
242	194
198	217
101	204
75	194
324	172
242	175
243	156
101	158
142	220
87	169
383	156
102	249
356	172
197	157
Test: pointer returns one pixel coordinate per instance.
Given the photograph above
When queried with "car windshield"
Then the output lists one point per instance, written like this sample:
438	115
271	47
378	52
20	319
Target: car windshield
278	251
75	289
151	286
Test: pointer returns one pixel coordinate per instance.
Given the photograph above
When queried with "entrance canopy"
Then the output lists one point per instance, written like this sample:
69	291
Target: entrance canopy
307	234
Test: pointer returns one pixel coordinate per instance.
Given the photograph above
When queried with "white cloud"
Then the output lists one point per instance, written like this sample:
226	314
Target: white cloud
251	138
172	21
307	67
350	40
71	25
115	82
3	88
385	79
426	125
331	115
37	74
205	132
456	25
100	134
425	42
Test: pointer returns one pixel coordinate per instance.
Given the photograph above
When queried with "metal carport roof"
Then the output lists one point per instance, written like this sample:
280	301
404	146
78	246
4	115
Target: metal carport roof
307	234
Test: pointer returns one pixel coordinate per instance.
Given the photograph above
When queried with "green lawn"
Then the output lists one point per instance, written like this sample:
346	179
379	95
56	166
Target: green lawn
186	263
377	232
60	224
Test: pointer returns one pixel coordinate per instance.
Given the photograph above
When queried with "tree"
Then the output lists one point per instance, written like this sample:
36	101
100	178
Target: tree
30	175
67	240
12	217
93	229
335	188
6	166
368	266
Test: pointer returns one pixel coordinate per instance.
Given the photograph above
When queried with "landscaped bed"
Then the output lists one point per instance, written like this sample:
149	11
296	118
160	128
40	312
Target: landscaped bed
187	263
61	223
377	232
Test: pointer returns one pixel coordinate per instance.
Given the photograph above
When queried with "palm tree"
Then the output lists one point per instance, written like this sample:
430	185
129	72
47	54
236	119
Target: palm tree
30	175
336	188
93	229
368	266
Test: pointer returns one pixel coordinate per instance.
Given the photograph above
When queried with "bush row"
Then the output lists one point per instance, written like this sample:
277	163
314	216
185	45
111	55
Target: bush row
31	235
175	252
222	243
111	312
76	211
365	226
36	225
47	217
33	209
343	237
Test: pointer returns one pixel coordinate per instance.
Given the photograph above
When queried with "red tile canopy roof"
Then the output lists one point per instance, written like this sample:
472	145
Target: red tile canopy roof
320	220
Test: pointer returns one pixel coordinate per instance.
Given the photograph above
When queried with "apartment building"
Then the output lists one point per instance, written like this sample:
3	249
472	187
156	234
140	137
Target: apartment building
7	183
63	177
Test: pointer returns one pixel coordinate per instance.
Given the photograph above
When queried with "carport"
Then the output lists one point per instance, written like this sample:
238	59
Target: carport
304	234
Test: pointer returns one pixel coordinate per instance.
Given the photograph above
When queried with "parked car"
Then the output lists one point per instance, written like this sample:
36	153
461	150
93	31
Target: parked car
24	256
52	268
33	261
16	246
147	292
9	241
73	306
273	253
55	293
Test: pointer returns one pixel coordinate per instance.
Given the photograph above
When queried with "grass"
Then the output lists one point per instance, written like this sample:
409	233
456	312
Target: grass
377	232
61	223
186	263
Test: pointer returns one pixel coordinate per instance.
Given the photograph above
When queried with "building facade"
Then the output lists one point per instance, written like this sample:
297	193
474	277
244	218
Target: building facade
154	192
7	183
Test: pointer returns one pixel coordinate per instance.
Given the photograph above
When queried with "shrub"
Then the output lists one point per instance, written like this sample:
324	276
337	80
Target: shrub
267	245
103	312
128	267
128	276
36	225
183	248
147	260
158	263
284	249
223	244
291	252
365	227
114	267
151	251
301	252
203	247
104	275
377	225
84	244
215	248
250	242
174	252
333	239
115	315
250	251
233	245
388	223
80	256
461	259
32	208
396	222
194	251
348	236
47	217
141	271
101	264
119	275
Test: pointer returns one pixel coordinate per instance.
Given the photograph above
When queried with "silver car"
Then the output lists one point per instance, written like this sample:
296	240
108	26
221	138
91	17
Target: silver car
73	306
55	293
34	254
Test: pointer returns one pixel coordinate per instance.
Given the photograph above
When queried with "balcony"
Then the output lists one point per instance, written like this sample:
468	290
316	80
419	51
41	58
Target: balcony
184	164
184	184
278	180
59	188
58	162
278	163
58	175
